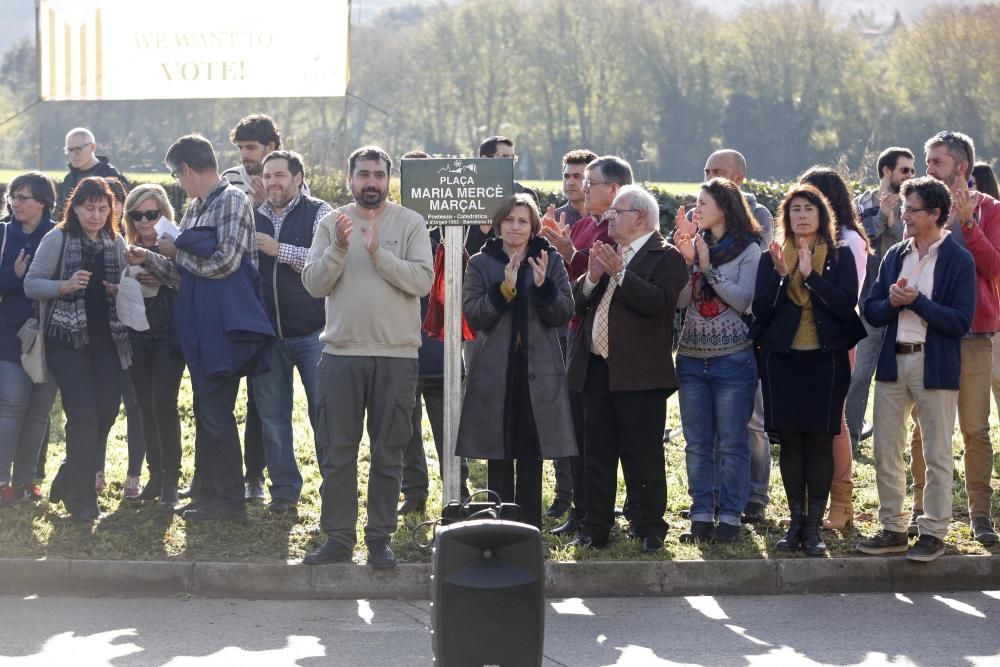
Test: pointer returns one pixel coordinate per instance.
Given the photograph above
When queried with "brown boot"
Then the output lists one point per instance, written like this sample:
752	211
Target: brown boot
841	508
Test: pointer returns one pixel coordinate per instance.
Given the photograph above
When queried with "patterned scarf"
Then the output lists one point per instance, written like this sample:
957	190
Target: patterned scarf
68	321
720	252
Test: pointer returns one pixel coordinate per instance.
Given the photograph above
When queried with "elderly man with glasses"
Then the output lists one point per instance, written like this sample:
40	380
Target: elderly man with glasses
81	149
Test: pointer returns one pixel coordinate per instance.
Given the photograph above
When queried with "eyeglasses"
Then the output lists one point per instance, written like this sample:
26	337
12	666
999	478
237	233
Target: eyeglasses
73	150
613	213
909	211
175	175
587	182
136	216
907	170
19	199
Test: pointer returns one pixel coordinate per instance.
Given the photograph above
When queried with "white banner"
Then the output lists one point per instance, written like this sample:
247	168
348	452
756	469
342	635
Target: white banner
184	49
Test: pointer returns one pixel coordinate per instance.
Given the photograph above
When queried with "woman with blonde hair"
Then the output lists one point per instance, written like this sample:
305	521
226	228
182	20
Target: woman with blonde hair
157	361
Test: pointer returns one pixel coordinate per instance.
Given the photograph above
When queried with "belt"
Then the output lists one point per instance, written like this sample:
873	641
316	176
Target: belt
909	348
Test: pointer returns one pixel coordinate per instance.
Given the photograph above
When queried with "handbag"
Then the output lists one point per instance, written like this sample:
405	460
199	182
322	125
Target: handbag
32	334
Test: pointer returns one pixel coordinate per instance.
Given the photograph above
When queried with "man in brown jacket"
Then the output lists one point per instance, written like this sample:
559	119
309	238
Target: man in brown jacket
621	361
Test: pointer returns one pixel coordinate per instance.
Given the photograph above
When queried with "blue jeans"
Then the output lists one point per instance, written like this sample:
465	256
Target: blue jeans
865	359
273	396
716	401
24	419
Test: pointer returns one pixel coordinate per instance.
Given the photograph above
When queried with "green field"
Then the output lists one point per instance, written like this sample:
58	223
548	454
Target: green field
139	531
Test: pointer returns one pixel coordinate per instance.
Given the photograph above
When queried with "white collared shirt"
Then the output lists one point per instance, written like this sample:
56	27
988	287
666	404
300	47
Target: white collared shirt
919	272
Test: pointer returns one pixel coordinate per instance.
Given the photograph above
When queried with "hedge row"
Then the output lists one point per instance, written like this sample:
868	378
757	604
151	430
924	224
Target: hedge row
333	189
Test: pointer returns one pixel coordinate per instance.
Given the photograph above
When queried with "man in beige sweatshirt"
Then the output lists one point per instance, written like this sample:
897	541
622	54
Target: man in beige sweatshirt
371	262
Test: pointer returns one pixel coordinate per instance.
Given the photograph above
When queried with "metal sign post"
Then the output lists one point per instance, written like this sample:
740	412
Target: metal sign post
454	193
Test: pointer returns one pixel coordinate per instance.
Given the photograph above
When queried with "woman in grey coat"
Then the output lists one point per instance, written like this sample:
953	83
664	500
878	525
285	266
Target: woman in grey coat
516	409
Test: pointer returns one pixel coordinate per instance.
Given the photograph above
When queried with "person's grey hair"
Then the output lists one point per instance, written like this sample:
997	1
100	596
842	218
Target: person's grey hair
81	132
960	147
643	201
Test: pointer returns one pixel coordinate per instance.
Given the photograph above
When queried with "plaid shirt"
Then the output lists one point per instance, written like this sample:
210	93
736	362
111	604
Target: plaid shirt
292	255
229	211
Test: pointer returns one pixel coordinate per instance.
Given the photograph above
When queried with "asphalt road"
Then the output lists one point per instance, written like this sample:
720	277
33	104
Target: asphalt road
927	629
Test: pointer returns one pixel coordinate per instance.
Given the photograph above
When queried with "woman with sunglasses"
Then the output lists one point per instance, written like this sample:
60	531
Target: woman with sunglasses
24	405
75	276
157	362
134	430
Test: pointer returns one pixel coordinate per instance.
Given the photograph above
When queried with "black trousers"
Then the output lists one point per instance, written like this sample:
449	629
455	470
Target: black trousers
157	367
90	384
626	425
217	459
518	481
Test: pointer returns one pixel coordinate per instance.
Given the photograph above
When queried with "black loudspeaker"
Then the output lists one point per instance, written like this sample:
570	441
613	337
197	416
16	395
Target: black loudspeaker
488	595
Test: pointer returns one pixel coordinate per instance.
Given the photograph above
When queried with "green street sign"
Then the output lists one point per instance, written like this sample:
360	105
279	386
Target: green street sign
456	191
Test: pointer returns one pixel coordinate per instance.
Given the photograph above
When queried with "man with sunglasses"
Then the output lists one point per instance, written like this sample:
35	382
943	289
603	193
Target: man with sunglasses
81	148
975	223
879	209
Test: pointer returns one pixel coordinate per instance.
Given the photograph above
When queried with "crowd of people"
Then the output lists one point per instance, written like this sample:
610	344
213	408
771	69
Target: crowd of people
582	321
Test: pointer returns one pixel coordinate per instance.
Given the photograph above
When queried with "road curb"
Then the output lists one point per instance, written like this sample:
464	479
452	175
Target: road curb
582	579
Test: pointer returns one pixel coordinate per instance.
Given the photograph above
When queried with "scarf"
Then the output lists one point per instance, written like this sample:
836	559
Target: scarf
806	336
68	321
720	252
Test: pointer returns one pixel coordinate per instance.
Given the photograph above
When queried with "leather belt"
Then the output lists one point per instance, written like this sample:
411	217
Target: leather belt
909	348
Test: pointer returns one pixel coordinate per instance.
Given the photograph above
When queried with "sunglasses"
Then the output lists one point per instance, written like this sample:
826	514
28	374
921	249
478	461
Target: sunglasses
136	216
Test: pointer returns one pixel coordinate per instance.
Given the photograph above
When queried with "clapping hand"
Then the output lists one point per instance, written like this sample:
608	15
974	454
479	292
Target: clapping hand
510	271
344	226
684	226
963	203
704	258
369	235
889	204
805	258
901	294
609	258
557	233
539	267
686	247
778	258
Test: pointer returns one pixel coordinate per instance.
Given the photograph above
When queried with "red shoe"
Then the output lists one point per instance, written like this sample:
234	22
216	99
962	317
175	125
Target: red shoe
29	492
8	496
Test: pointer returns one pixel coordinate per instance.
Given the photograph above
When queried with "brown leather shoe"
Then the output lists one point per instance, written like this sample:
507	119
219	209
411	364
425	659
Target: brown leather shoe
841	513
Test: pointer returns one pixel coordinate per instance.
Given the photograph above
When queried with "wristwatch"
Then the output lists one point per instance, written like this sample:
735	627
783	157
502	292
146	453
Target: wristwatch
970	224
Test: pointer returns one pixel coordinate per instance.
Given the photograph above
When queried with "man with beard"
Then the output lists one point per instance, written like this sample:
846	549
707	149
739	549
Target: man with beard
255	135
286	223
371	261
975	223
879	210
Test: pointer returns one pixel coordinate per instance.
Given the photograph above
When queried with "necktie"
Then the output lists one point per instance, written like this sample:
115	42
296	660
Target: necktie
600	338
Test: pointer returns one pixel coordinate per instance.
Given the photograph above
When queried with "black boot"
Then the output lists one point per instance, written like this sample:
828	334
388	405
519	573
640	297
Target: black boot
792	541
168	492
152	489
812	534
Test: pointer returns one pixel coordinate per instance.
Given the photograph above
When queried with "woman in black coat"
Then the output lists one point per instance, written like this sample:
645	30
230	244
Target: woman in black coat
516	408
805	323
